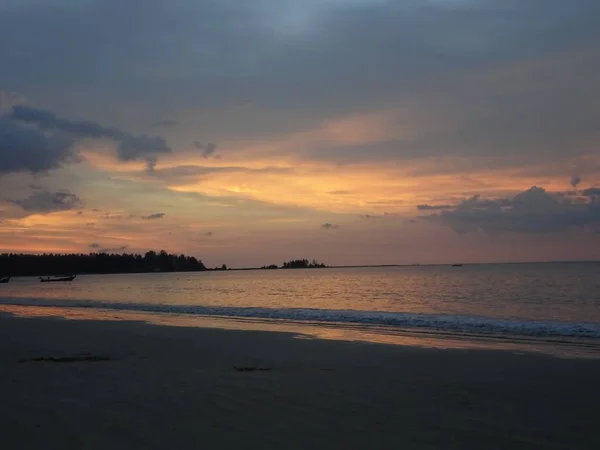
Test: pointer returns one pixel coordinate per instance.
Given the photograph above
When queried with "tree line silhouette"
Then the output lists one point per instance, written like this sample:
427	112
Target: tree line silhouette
298	264
12	264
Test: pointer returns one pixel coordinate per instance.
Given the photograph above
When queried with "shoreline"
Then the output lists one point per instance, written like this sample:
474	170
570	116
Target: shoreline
427	337
126	384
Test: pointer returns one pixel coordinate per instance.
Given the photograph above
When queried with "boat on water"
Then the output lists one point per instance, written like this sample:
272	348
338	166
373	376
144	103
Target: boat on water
4	280
55	279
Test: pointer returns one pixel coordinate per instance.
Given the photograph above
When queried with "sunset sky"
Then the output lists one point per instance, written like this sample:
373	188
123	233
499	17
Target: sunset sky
350	131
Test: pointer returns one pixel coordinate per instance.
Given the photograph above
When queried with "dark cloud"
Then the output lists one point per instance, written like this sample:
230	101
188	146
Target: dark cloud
23	148
592	192
134	147
208	234
129	147
47	120
94	245
207	149
575	180
41	201
531	211
564	194
165	123
154	216
433	207
330	226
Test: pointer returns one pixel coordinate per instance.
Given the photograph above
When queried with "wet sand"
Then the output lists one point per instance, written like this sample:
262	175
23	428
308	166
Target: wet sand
125	385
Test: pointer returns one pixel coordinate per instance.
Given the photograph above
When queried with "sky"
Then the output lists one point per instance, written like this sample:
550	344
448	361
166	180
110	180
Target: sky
350	131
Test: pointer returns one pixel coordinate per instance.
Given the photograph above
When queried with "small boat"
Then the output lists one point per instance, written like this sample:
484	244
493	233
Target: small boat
4	280
457	265
52	280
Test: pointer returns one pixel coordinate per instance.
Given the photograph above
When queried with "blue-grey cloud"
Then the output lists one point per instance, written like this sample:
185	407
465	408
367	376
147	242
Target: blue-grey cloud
42	201
94	245
433	207
531	211
154	216
129	148
330	226
135	147
24	148
207	149
575	180
47	120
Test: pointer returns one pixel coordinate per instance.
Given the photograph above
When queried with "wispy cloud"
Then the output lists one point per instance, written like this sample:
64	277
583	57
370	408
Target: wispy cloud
207	149
433	207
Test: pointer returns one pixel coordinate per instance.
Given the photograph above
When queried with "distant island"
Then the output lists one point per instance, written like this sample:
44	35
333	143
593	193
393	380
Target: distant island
298	264
13	264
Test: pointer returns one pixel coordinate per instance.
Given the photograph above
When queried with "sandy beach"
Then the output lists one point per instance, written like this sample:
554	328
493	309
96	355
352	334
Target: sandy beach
68	384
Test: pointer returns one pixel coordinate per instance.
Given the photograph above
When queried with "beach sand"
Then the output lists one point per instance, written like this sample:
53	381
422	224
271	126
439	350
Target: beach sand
67	384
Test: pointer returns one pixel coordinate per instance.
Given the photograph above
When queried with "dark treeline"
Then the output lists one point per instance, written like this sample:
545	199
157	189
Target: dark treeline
298	264
12	264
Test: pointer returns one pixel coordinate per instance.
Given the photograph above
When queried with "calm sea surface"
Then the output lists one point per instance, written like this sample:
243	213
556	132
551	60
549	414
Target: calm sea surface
557	300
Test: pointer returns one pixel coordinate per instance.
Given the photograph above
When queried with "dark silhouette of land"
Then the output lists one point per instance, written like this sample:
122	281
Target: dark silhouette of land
19	264
59	264
298	264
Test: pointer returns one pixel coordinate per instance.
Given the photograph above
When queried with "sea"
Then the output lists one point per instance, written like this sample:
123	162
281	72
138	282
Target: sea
546	307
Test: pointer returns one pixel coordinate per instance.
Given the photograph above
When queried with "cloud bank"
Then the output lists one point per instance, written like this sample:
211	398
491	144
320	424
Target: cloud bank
531	211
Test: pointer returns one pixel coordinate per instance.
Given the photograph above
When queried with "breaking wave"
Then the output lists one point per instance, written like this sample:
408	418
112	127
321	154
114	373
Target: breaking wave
434	322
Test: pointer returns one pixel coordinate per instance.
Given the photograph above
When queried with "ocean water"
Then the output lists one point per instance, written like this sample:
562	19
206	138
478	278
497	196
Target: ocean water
542	301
